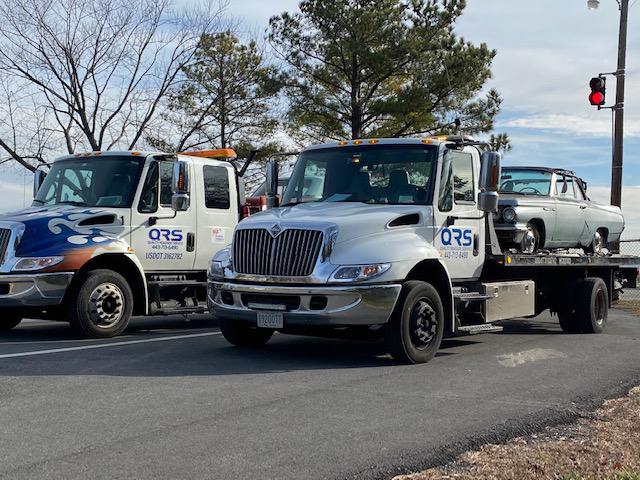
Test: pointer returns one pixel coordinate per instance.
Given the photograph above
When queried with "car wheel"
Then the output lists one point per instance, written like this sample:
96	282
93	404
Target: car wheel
243	335
531	241
101	305
597	243
9	321
414	333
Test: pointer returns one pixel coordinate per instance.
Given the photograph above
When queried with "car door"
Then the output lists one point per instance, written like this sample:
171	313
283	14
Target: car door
162	239
570	223
460	232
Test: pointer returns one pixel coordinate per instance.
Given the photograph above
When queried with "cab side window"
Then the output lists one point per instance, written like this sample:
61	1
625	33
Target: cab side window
166	174
463	186
149	197
216	187
157	186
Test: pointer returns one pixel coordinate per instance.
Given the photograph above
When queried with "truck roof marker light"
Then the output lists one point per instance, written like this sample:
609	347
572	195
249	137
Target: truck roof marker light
357	142
136	154
509	259
442	138
97	154
373	141
427	141
215	153
343	143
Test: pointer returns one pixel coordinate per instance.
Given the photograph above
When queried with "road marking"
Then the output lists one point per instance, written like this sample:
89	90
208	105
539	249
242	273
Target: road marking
528	356
106	345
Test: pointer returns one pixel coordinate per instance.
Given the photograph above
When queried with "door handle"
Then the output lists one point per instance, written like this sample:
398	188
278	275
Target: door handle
583	206
191	242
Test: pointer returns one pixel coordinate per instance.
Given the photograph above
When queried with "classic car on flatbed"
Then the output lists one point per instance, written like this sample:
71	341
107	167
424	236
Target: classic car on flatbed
548	208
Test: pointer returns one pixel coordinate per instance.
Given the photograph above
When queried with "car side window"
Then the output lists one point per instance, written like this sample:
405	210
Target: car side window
578	190
565	188
216	187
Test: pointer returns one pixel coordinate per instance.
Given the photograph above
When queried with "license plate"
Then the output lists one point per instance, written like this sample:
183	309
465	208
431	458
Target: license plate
270	320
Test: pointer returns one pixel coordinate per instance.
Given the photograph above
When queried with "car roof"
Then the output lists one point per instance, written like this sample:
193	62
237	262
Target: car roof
560	171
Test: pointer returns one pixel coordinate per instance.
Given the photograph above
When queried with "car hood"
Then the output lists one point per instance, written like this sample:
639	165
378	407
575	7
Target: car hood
353	219
58	229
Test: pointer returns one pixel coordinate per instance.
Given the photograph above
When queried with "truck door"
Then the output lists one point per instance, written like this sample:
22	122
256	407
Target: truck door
161	241
218	211
459	235
571	221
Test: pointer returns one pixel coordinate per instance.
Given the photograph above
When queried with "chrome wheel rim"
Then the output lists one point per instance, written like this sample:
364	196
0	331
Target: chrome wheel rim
597	242
600	306
529	242
423	324
106	305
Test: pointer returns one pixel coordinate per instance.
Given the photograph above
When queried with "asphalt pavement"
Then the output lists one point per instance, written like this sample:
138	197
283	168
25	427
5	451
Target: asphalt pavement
171	399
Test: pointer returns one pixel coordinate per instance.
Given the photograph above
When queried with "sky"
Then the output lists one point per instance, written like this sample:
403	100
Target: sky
547	50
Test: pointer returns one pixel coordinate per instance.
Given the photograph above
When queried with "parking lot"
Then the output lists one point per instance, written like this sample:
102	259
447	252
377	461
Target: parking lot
171	399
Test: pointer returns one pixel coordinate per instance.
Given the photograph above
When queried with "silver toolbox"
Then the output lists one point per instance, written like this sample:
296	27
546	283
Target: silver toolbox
509	300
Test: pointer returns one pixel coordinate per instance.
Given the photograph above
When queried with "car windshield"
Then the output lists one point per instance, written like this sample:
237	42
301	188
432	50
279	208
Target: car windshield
93	182
525	181
376	174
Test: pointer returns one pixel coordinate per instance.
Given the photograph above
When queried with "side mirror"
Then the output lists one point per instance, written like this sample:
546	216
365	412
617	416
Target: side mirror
180	186
271	184
38	180
490	167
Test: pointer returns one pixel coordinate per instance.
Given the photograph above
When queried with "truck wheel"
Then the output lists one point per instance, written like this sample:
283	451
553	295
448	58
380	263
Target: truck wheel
590	310
9	321
415	330
592	305
101	305
243	335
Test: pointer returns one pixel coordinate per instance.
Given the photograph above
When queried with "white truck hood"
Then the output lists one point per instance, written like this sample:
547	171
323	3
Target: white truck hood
364	235
353	219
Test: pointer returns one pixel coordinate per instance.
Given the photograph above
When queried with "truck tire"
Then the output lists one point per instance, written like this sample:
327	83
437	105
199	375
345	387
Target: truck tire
243	335
414	333
9	321
101	304
590	309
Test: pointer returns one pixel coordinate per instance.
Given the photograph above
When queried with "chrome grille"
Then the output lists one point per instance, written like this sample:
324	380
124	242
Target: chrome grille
293	253
5	237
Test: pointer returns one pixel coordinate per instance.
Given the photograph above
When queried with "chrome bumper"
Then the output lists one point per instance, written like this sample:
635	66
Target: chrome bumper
510	233
345	305
33	290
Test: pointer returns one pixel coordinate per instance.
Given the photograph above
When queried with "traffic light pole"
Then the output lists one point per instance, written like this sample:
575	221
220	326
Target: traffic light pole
618	122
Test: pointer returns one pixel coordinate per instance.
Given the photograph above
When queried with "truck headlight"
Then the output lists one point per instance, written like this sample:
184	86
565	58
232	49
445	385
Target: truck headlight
356	273
509	215
216	270
36	263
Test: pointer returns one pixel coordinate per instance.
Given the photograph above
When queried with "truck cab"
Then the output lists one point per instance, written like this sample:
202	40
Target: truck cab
398	242
116	234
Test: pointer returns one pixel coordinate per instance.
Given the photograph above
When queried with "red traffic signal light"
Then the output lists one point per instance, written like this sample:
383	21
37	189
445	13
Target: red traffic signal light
598	89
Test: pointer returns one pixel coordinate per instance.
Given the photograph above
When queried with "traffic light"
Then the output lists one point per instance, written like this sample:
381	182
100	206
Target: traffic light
598	88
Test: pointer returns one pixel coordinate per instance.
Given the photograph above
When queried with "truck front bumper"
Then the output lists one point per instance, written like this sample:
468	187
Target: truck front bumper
33	290
306	305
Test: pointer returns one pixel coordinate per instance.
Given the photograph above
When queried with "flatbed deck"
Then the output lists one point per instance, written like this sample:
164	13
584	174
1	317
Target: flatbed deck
564	259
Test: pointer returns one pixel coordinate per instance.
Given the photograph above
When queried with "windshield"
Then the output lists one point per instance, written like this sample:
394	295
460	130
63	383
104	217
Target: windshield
94	182
394	174
525	181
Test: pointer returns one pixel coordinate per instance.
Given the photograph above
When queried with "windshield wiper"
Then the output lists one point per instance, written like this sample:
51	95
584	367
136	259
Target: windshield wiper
74	203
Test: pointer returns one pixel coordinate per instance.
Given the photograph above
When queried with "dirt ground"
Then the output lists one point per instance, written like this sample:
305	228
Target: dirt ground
604	445
632	306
